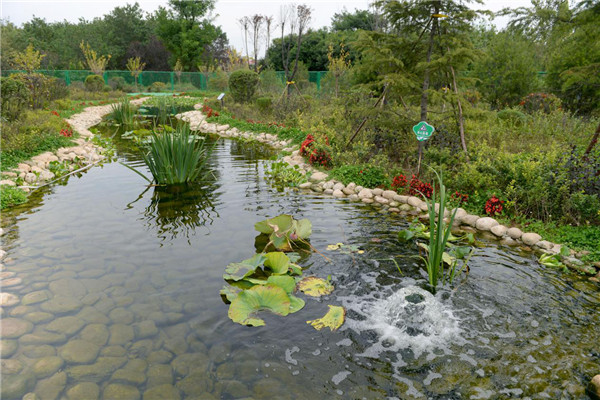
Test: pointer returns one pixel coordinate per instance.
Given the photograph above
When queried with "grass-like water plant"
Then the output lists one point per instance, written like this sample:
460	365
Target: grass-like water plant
176	157
123	113
439	231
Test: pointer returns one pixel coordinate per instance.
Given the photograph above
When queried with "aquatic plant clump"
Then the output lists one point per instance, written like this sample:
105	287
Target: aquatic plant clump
176	157
284	231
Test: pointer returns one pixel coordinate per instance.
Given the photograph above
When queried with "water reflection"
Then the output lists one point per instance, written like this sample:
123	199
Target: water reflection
178	210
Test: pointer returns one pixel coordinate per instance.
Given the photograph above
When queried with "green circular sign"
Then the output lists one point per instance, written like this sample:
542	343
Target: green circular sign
423	131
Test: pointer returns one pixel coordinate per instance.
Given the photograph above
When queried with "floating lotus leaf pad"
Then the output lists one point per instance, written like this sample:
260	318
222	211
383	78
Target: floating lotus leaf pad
334	318
283	230
241	270
296	304
285	282
229	293
248	303
278	262
315	287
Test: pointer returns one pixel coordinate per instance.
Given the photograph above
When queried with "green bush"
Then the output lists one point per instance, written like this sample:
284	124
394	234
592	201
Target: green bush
243	84
264	104
11	196
363	175
270	82
512	116
42	89
545	102
94	83
117	83
14	97
157	87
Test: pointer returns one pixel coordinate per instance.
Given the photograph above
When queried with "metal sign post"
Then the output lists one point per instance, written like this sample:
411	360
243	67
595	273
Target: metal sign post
423	132
221	98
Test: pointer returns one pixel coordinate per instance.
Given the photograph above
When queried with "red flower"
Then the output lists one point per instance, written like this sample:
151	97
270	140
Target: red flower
399	182
420	188
55	113
494	206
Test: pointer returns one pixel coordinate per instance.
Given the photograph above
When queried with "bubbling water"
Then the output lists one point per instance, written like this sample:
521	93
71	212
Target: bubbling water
409	319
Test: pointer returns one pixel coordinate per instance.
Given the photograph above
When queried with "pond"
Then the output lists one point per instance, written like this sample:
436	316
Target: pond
117	289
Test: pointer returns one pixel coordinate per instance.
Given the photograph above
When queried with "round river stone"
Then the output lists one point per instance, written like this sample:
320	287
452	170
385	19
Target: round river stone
79	352
85	390
12	328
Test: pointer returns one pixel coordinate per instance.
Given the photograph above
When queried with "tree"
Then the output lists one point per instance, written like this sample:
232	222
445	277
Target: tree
29	60
295	20
123	26
135	67
358	20
244	23
268	23
338	66
153	52
96	64
447	46
574	59
185	29
507	71
178	69
256	21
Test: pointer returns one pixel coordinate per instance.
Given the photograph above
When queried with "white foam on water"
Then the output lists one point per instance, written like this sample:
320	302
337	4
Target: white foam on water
409	318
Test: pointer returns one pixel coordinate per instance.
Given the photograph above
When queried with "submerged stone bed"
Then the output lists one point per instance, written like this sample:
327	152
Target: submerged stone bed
389	200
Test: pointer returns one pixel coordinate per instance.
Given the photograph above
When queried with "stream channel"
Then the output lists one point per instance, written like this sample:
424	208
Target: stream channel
118	297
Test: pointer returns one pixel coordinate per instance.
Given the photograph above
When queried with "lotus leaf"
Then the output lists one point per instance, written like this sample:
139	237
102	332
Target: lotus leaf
296	269
281	223
294	257
315	287
243	309
303	228
278	262
285	282
333	319
229	293
241	270
296	304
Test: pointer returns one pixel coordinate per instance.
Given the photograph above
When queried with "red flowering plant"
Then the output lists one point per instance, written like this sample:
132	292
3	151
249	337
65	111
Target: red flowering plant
460	197
494	206
66	131
417	188
399	182
318	154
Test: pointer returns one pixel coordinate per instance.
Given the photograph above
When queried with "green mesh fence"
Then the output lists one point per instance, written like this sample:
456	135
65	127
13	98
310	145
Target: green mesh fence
183	81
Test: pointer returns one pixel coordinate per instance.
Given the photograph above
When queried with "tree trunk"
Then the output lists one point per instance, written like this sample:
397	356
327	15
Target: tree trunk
461	119
592	142
424	95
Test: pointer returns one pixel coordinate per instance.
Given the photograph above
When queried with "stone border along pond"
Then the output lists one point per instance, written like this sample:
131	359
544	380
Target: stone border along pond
85	153
389	200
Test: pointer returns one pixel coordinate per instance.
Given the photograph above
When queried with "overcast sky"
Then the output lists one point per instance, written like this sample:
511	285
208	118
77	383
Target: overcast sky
227	11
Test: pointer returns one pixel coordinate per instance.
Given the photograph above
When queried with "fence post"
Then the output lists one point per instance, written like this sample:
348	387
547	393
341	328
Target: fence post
140	78
67	77
105	75
319	81
172	81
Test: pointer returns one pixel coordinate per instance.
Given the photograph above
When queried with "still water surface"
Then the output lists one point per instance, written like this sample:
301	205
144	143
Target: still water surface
132	275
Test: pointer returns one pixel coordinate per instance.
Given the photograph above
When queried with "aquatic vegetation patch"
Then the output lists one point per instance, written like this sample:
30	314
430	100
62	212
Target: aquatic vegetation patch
282	174
268	281
284	231
334	318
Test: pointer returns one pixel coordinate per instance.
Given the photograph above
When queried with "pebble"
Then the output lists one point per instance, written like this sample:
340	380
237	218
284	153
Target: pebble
95	333
530	238
12	328
35	297
8	299
79	352
84	390
66	325
121	392
47	366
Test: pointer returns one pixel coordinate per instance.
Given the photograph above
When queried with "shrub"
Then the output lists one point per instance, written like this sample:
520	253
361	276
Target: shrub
418	188
494	206
123	113
243	84
35	132
157	87
14	97
117	83
94	83
42	89
512	116
11	196
545	102
363	175
264	104
399	182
